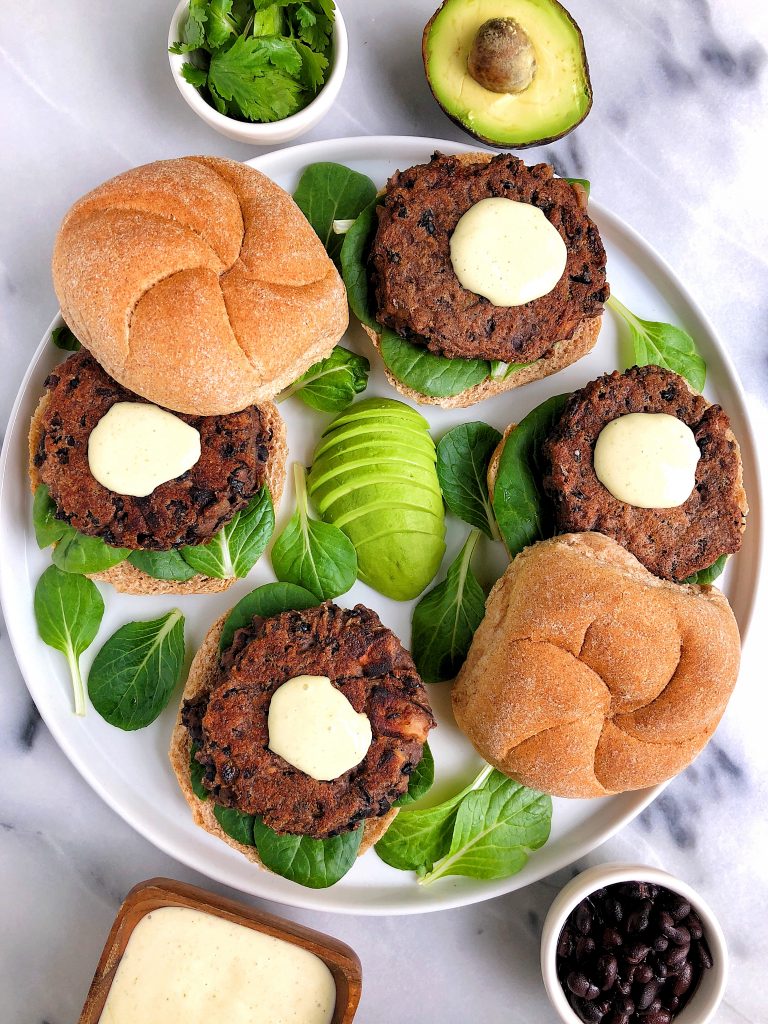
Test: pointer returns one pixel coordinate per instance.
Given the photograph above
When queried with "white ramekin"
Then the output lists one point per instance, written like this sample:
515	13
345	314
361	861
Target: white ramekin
703	1003
274	132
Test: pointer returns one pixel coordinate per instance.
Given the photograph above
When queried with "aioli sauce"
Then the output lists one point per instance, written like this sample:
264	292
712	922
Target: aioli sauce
135	447
507	251
183	966
314	727
647	459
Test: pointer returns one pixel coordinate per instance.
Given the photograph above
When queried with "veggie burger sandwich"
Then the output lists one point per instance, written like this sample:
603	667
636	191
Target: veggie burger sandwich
198	291
476	274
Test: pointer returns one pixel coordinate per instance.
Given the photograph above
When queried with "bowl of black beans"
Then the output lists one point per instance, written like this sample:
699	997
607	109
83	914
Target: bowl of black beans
628	944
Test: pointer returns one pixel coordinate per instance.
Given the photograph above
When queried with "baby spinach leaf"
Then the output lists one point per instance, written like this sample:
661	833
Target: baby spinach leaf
327	192
705	577
74	551
196	773
68	610
48	529
501	371
316	863
162	565
77	553
420	782
523	512
435	376
664	345
584	182
419	837
135	672
495	828
354	265
237	824
331	384
463	455
63	338
311	554
271	599
237	546
445	619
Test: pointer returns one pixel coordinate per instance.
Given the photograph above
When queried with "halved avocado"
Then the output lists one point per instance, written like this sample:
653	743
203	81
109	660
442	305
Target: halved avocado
559	94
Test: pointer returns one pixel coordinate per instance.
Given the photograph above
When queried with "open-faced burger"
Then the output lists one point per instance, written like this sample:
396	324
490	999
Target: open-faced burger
311	721
493	266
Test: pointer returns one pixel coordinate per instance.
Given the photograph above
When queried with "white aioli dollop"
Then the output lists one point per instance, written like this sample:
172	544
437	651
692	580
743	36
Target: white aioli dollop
313	726
135	447
507	251
183	965
647	459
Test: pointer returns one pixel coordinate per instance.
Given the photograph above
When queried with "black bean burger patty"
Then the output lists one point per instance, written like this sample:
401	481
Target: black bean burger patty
375	673
187	510
418	294
671	542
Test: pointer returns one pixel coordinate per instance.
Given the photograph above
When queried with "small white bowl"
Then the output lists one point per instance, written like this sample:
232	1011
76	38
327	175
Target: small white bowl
707	997
273	132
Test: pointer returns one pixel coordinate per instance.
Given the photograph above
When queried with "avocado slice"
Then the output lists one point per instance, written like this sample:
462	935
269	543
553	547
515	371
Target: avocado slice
558	95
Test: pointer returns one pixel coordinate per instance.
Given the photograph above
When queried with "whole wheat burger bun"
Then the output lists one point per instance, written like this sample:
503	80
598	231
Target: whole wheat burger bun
198	284
589	675
203	676
562	353
124	576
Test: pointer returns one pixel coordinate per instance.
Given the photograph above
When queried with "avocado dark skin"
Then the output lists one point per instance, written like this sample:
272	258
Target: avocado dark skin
480	136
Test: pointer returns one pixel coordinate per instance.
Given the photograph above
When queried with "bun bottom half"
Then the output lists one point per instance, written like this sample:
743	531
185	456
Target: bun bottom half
203	675
125	577
562	354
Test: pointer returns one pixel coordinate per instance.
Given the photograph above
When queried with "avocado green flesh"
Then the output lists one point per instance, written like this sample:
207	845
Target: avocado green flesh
343	498
374	477
558	98
392	434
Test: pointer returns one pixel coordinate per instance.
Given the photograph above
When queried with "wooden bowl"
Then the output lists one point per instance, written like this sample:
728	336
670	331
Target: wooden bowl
155	893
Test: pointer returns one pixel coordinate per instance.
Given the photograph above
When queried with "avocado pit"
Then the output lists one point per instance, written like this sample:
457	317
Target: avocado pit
502	58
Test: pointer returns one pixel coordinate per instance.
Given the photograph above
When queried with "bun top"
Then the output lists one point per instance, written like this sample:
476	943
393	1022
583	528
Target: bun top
198	284
589	675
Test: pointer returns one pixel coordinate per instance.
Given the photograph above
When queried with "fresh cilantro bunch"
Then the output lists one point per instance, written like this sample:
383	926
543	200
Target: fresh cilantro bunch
257	60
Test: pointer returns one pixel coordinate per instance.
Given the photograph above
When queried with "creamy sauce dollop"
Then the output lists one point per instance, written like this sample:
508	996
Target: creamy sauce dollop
507	251
182	966
314	727
135	447
647	459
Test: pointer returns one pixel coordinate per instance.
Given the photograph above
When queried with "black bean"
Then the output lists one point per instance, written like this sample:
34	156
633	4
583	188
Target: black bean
638	919
684	979
635	952
614	910
660	943
679	908
616	1018
581	986
672	1004
625	1005
694	926
625	987
655	1017
647	994
565	944
585	947
660	969
702	950
586	1011
674	958
681	936
583	918
606	971
612	938
643	974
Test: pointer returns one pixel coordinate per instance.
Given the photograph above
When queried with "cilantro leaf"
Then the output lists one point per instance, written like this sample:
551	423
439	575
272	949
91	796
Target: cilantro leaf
305	16
313	66
193	32
317	35
241	74
280	52
220	23
194	75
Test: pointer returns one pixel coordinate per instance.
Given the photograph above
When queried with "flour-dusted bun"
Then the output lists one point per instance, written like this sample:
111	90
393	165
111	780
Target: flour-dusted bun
124	576
589	675
203	676
198	284
563	353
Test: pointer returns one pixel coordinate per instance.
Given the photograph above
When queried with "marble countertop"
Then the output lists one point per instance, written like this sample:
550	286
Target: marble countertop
676	145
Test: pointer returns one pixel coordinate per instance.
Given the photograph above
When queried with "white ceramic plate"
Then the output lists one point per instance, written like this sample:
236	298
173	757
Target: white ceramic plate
130	770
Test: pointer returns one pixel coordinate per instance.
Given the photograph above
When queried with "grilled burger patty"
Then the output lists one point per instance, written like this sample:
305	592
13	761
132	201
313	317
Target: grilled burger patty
376	674
187	510
418	294
671	542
